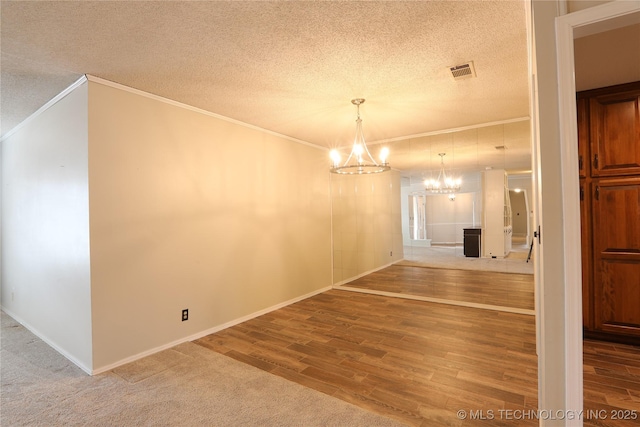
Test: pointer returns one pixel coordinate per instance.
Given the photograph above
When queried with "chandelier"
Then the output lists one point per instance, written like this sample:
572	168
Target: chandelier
443	184
360	161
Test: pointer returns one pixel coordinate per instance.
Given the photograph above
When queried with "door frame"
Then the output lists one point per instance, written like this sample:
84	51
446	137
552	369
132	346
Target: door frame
594	20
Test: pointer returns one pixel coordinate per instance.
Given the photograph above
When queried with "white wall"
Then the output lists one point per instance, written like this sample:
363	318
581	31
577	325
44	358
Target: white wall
523	182
45	227
367	231
445	219
189	211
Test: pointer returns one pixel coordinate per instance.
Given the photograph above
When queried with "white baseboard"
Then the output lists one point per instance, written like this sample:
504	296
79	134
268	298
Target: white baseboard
351	279
206	332
50	343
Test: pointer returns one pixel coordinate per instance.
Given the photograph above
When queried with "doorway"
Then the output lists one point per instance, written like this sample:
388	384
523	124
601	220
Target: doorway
563	341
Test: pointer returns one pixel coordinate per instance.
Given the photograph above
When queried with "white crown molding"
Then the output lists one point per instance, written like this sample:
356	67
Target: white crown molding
139	92
444	131
46	106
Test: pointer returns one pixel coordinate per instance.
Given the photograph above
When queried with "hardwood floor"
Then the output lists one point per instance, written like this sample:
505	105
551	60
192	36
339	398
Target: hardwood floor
480	287
421	362
611	383
414	361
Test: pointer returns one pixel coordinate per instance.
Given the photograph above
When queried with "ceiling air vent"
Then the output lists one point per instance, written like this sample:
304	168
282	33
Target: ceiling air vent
501	147
464	71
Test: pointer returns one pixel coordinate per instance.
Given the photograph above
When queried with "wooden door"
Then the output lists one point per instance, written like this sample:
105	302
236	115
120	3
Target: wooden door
616	250
615	134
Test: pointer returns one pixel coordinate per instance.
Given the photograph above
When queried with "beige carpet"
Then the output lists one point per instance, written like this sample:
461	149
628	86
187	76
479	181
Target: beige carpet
453	257
187	385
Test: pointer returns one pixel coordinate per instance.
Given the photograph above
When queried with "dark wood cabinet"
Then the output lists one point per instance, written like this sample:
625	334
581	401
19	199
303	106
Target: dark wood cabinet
472	238
616	255
615	133
585	222
584	163
609	149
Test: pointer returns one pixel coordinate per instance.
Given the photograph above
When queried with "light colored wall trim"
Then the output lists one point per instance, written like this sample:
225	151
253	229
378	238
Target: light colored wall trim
44	338
338	285
568	27
45	107
204	333
589	21
444	131
571	229
197	110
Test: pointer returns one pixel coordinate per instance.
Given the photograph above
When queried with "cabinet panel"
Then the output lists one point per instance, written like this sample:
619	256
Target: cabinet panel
584	162
618	307
615	134
616	255
585	228
617	215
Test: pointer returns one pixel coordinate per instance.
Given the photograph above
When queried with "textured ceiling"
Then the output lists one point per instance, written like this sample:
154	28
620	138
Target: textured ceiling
289	67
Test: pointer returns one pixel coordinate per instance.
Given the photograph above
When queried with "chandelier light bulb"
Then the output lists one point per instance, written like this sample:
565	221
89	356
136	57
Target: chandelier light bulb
335	157
384	153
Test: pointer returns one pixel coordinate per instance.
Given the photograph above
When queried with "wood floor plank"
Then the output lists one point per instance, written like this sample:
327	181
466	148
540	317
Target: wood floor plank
389	409
305	380
419	362
384	348
481	287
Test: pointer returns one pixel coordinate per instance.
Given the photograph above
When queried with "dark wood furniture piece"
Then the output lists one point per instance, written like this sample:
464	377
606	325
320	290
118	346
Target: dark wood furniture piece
471	241
609	155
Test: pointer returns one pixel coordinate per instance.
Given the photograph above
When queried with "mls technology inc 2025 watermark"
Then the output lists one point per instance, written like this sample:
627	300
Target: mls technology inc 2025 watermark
541	414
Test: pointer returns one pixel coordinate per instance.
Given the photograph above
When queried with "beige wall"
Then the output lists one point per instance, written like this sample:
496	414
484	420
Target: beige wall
576	5
367	230
191	211
519	213
607	58
45	227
